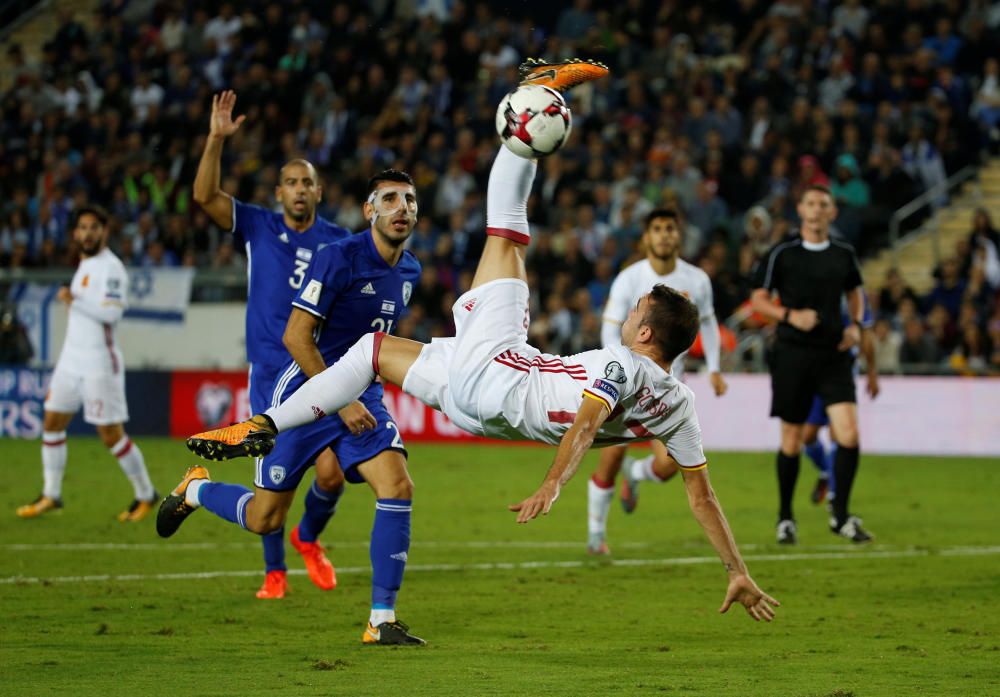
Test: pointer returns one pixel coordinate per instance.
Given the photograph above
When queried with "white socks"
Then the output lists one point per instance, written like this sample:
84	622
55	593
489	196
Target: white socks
642	470
53	462
333	389
598	504
379	616
507	196
134	466
191	493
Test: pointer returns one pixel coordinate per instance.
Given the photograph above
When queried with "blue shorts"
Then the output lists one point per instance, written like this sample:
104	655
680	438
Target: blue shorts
817	414
261	386
295	451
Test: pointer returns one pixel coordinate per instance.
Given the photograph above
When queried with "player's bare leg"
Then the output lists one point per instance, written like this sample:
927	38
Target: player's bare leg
387	475
657	467
844	426
54	425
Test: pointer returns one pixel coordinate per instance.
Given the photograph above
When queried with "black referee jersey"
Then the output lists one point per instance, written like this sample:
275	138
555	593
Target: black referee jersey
811	275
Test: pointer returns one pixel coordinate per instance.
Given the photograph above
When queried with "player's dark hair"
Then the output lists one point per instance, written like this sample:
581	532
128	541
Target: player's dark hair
822	188
389	175
89	209
673	319
661	213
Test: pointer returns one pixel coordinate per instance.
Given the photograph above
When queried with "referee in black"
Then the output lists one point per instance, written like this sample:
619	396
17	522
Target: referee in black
811	356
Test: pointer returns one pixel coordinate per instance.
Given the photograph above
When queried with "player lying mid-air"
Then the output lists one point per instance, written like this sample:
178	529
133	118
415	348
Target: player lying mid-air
490	382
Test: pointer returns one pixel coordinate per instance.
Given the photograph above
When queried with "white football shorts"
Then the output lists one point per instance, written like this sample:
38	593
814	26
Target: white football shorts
102	396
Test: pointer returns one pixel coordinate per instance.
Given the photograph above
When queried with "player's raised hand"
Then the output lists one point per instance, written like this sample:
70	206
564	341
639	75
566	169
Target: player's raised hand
538	503
222	124
744	591
357	418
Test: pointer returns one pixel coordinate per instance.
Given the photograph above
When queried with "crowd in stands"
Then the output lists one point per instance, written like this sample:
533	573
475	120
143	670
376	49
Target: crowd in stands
724	110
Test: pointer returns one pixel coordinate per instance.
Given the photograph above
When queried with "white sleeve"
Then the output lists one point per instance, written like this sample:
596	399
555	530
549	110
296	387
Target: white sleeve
684	442
104	299
616	311
610	375
710	341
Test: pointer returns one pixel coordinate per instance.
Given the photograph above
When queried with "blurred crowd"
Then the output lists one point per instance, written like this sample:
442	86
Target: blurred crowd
725	110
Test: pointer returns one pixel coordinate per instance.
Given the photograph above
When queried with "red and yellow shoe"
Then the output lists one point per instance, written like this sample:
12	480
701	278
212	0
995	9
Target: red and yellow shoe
562	76
251	438
43	504
275	586
138	509
390	633
175	508
321	571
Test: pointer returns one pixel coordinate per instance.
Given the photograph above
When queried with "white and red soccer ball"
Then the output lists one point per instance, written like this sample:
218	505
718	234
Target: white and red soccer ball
533	121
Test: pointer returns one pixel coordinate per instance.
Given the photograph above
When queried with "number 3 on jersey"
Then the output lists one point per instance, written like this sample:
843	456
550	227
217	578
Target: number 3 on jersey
298	274
382	325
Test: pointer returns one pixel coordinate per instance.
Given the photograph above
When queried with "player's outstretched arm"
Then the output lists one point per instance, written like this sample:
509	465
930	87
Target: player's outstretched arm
574	445
708	513
207	191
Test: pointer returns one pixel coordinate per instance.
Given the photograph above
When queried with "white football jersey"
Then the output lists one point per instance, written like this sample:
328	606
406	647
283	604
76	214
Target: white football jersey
99	288
535	396
638	279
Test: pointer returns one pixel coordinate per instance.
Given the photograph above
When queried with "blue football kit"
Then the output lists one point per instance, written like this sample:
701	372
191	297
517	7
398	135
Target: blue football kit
353	292
277	260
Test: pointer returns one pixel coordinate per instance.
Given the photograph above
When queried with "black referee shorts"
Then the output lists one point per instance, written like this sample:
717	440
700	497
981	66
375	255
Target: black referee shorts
800	373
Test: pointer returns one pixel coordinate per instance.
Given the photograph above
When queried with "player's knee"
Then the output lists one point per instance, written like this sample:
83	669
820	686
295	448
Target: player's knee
263	521
847	436
330	480
398	487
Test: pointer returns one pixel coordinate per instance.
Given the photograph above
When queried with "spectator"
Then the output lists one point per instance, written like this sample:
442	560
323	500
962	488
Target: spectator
15	347
949	289
923	163
888	345
917	348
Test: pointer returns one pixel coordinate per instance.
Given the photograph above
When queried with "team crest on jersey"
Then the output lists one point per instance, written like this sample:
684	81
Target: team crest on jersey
407	292
276	473
614	372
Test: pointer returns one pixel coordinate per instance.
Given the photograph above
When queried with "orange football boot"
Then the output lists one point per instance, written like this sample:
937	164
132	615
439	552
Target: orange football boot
562	76
321	571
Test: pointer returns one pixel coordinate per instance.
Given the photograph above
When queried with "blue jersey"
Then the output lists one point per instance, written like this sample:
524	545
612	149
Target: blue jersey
353	291
277	260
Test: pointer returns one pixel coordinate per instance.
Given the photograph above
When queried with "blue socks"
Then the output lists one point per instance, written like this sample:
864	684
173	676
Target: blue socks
320	507
228	501
274	550
817	453
390	544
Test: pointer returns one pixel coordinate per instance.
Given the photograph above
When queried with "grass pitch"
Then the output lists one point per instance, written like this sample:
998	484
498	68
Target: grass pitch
89	606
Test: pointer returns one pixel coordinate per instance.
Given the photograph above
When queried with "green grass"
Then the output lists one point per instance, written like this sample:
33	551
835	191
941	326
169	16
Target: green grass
905	616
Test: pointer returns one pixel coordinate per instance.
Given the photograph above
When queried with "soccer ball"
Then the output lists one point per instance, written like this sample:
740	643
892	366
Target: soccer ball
533	121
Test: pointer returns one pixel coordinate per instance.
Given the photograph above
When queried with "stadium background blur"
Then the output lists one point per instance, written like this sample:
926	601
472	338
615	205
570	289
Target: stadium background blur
722	109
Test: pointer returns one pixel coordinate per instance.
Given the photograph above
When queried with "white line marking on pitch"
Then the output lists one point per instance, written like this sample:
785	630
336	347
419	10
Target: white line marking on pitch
419	544
513	566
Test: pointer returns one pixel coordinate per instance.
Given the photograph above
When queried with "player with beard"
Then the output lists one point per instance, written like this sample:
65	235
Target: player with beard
662	235
279	246
352	288
91	371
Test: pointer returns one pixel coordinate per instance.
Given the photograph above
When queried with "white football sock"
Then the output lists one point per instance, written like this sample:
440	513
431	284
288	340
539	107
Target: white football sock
507	196
332	390
191	493
379	616
53	462
598	504
134	466
642	470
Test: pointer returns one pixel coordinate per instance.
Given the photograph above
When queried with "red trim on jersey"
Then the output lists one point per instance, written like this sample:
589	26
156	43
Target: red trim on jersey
376	345
109	341
543	365
561	417
124	451
507	234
